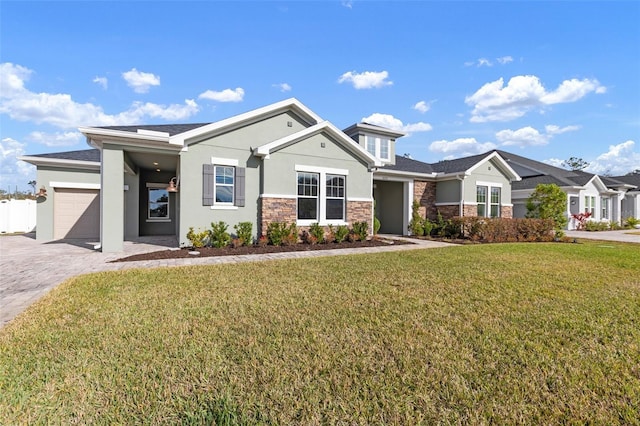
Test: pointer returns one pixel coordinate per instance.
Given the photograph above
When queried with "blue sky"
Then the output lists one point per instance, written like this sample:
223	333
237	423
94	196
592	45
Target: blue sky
547	80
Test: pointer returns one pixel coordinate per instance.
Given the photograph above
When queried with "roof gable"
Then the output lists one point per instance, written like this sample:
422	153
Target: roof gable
323	127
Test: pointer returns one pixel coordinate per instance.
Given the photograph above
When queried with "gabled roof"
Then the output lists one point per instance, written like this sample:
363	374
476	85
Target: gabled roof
535	172
175	136
630	180
83	159
169	129
322	127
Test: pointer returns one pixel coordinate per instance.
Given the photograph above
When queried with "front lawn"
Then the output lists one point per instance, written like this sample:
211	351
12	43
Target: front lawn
505	333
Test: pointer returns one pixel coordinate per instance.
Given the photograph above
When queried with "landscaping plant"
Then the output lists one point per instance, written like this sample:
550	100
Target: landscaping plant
244	232
219	235
197	239
548	201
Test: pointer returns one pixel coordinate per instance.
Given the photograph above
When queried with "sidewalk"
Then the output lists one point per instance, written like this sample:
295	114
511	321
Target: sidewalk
624	235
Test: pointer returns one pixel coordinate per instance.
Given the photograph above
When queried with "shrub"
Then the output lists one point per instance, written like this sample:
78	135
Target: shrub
263	241
427	227
280	234
593	225
548	201
341	234
244	232
219	235
501	230
631	222
360	230
581	219
197	239
416	225
376	225
317	232
330	235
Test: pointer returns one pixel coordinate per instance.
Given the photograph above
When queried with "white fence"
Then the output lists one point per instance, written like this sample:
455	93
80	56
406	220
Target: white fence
17	216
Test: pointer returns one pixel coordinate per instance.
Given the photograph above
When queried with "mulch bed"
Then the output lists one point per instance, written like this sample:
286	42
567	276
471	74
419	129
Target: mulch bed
231	251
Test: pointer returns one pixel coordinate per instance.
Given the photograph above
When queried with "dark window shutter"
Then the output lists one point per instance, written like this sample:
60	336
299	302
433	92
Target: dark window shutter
207	184
239	186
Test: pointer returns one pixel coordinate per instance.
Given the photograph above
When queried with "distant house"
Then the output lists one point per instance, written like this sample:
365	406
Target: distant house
282	163
630	205
603	197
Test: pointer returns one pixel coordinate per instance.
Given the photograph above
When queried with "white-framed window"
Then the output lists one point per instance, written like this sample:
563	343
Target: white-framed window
321	195
335	205
590	204
481	200
488	199
495	202
604	205
378	147
308	193
223	184
158	202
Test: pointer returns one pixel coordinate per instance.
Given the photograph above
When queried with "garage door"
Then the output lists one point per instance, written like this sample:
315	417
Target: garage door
76	213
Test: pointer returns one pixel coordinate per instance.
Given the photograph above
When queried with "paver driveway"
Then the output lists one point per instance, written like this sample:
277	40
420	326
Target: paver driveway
30	268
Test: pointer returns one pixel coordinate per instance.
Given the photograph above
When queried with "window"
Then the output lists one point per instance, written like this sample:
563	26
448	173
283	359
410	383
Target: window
604	203
223	185
158	207
481	199
589	204
321	195
308	196
378	147
335	197
495	202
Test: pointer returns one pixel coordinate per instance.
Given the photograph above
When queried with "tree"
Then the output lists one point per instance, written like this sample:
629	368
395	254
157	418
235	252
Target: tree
634	172
548	201
33	185
575	164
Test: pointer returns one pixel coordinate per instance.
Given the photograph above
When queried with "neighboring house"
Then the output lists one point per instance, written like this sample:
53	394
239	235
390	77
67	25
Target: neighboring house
479	185
586	192
630	206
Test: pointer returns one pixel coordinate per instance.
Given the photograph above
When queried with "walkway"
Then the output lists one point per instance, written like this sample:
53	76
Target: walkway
30	268
624	235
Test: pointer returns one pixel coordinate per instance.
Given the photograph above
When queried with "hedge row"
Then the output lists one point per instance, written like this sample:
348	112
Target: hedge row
501	230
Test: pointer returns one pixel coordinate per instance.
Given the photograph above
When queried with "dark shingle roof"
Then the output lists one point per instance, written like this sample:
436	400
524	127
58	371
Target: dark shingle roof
82	155
632	179
405	164
459	164
172	129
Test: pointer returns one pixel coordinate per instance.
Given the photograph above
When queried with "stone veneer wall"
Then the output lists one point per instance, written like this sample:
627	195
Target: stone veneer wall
425	194
284	210
470	210
449	211
276	210
506	212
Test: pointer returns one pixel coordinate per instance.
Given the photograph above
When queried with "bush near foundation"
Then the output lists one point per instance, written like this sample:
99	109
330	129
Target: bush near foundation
502	230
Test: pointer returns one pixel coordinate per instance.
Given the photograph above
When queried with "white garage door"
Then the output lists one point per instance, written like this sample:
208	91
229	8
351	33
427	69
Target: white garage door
76	213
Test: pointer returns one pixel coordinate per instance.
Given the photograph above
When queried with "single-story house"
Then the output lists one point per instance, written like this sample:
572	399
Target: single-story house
281	162
606	198
630	205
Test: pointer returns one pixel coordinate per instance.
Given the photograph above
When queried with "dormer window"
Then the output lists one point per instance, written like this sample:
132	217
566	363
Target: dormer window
378	147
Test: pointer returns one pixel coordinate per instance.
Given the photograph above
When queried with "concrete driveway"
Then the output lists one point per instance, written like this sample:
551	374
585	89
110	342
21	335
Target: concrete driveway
31	268
624	235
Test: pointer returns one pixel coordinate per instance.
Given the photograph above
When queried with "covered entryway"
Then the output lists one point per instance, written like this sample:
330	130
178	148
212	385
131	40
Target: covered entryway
390	206
76	213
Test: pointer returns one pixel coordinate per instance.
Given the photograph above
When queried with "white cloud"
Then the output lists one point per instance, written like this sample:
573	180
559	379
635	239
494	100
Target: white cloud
284	87
496	102
423	106
227	95
62	111
504	60
12	170
552	129
347	3
554	162
390	122
527	136
140	81
55	139
102	81
366	80
619	160
461	147
484	62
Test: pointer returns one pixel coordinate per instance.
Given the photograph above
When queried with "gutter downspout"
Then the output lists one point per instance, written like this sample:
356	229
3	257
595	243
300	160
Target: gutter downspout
461	194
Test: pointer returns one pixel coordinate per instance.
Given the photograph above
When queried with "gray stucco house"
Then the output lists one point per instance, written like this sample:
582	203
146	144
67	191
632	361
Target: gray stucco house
280	163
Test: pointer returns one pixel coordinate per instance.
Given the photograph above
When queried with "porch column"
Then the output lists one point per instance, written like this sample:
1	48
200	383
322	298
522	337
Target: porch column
112	200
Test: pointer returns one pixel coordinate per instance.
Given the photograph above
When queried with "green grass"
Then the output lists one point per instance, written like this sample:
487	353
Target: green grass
505	333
